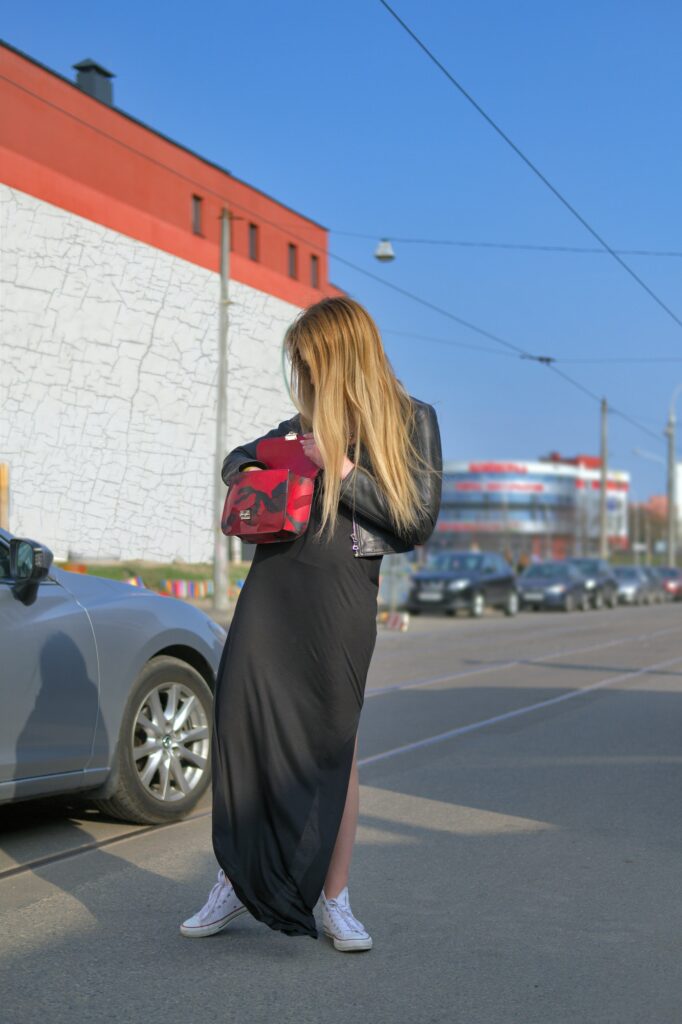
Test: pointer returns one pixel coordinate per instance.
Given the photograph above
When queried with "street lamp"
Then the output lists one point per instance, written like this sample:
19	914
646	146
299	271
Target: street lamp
384	251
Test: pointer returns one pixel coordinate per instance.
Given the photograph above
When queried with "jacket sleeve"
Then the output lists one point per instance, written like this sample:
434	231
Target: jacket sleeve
370	500
245	454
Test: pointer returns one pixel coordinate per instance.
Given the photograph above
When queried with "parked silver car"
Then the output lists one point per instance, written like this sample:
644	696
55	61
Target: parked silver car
105	688
634	586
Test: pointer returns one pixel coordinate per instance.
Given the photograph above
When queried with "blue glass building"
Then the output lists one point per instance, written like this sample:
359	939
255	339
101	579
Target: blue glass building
548	508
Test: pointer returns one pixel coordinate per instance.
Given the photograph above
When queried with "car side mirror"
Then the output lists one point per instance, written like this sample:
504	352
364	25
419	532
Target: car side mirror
29	562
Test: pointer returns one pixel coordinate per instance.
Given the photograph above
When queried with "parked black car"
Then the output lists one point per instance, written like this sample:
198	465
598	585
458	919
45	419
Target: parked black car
601	584
464	580
553	585
634	586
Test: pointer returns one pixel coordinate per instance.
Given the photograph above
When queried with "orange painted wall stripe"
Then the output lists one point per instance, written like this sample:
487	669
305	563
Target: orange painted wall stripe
62	146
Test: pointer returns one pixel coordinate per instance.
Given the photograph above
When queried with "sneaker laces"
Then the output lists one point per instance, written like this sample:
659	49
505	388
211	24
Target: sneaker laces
347	916
219	890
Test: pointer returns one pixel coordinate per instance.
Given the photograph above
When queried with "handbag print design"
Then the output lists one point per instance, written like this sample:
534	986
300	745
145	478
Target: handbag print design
268	505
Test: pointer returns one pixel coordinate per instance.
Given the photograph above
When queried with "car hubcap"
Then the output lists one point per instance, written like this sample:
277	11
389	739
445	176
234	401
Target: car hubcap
170	742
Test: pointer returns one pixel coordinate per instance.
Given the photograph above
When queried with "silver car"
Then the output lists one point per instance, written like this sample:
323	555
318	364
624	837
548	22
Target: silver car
105	689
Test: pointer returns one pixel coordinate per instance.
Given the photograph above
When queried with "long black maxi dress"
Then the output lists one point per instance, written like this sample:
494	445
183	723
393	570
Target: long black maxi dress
288	697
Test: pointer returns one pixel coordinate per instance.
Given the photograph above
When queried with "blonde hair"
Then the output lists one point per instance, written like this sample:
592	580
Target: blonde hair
344	388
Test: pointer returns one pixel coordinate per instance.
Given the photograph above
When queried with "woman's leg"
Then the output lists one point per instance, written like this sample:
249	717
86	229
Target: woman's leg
339	866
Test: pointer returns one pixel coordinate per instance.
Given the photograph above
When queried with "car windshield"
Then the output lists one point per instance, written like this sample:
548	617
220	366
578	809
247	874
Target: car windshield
668	573
449	562
547	570
624	573
588	566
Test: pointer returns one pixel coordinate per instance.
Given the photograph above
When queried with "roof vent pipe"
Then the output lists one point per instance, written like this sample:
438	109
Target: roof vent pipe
95	80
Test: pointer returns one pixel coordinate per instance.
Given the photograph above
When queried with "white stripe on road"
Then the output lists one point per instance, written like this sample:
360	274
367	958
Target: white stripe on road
394	638
473	726
411	684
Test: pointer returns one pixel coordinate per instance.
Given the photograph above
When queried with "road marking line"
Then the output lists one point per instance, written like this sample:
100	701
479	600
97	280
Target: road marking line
473	726
96	844
409	684
476	633
395	643
390	649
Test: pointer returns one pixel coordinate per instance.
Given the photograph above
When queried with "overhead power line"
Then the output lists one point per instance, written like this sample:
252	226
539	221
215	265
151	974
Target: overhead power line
606	360
547	361
437	309
450	342
625	359
529	163
509	246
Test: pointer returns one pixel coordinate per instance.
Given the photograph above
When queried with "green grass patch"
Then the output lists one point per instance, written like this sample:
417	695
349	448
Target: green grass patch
152	573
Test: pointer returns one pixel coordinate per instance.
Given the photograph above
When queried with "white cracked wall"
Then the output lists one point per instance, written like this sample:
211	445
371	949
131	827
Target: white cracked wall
108	361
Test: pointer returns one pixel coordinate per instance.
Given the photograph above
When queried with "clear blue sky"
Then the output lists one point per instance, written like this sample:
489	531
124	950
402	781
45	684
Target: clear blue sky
334	111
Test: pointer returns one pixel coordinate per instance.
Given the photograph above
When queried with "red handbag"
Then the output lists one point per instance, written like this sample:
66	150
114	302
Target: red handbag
267	505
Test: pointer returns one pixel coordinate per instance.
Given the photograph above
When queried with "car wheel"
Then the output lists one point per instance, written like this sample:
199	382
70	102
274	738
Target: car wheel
569	603
598	600
163	761
477	606
511	606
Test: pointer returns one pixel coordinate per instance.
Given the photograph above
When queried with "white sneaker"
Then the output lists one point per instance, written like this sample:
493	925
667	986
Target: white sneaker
339	924
221	907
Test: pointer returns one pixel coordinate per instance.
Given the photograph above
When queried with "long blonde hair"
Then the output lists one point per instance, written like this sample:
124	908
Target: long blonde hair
344	388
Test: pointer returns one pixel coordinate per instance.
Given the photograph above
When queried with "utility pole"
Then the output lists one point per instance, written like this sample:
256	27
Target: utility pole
672	499
635	530
647	538
603	533
221	556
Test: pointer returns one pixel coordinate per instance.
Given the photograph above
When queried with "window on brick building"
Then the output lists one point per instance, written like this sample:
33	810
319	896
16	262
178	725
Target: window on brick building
253	241
314	271
293	260
196	214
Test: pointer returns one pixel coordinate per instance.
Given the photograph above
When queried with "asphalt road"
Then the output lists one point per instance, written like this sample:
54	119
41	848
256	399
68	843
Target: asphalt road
518	856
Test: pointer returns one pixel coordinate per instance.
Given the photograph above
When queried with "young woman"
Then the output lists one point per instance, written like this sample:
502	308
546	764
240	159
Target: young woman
291	681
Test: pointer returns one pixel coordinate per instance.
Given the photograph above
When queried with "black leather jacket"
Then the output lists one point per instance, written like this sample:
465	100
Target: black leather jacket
374	531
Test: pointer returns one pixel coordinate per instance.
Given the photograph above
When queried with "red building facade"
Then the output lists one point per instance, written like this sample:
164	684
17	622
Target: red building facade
63	146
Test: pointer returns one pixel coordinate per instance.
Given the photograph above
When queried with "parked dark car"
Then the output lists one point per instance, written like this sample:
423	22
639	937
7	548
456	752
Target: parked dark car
601	584
659	594
672	581
452	581
553	584
106	689
634	586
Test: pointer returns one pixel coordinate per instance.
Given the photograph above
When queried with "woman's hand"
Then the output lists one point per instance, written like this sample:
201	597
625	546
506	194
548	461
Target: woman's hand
309	445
